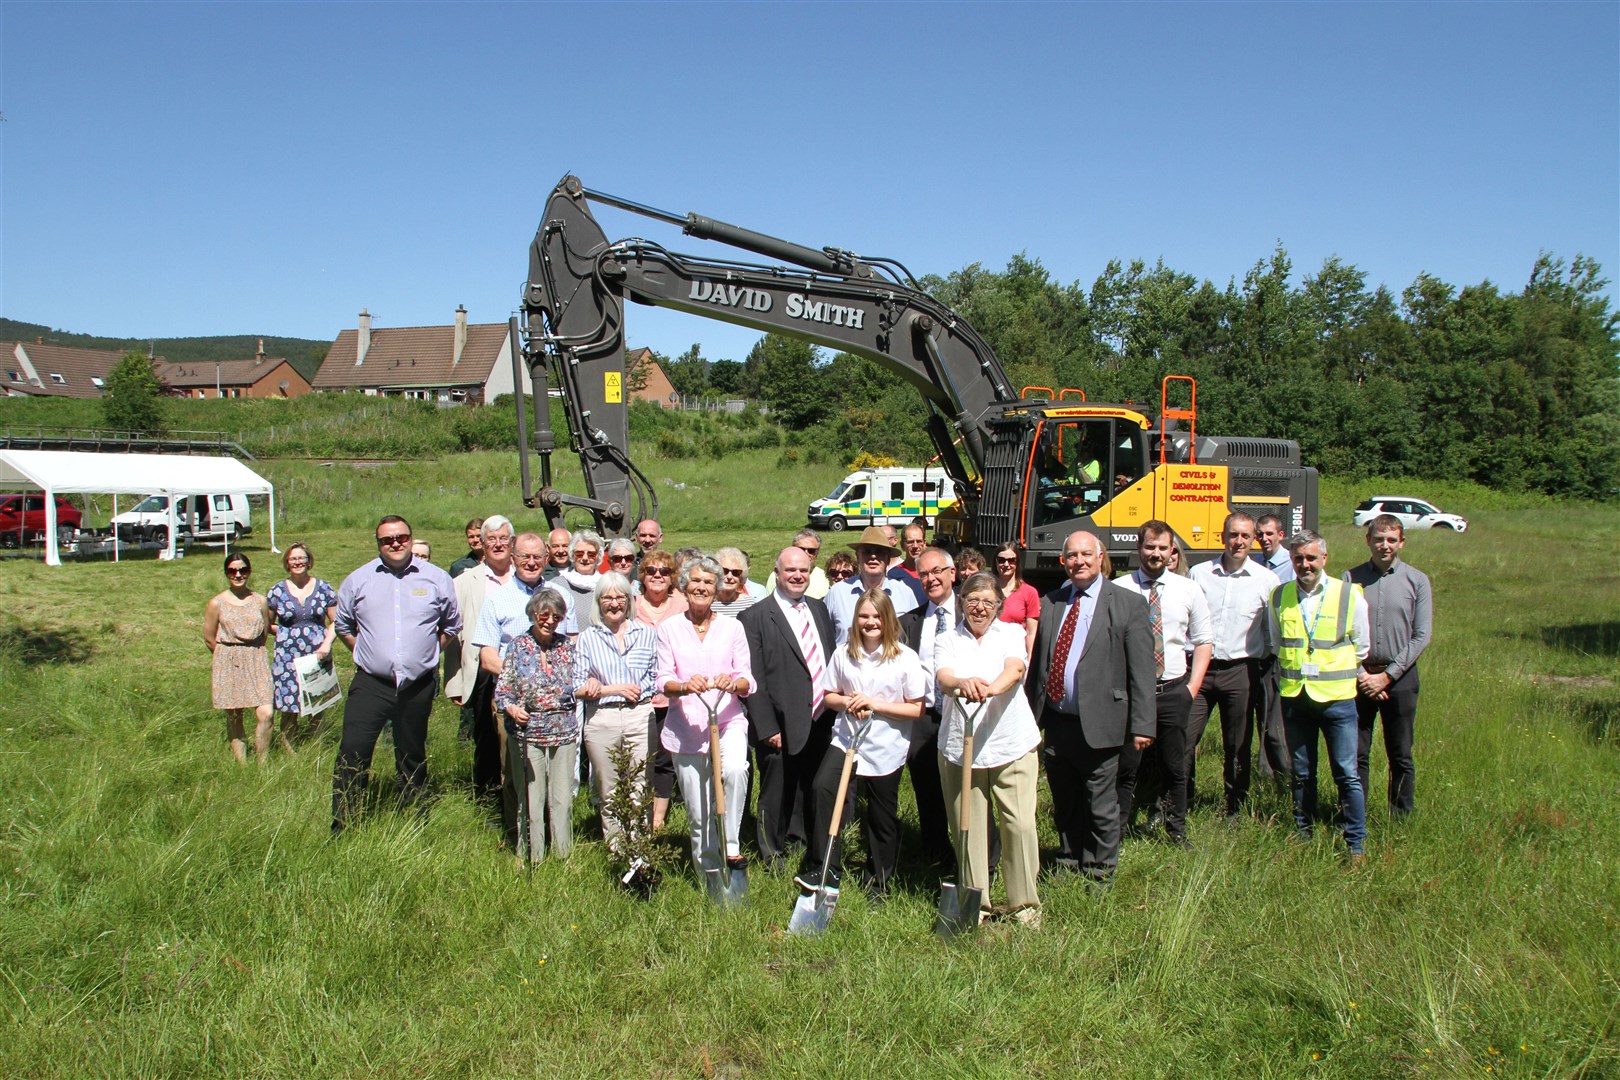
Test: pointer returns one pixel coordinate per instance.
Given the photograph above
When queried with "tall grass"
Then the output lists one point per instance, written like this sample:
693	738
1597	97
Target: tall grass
164	912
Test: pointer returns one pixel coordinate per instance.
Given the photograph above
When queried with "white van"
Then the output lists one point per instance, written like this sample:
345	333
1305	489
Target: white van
883	497
202	517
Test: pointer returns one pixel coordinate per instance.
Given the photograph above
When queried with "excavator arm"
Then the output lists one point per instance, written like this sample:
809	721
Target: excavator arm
572	335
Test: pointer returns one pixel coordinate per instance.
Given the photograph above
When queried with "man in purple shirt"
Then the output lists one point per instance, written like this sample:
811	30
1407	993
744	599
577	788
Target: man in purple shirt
394	613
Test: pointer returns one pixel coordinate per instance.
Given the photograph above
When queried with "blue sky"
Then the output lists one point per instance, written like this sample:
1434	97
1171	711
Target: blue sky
184	169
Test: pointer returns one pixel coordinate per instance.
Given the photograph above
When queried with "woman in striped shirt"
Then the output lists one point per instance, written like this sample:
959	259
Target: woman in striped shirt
613	675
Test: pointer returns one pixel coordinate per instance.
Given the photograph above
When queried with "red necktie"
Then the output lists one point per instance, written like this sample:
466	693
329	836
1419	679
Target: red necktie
1060	652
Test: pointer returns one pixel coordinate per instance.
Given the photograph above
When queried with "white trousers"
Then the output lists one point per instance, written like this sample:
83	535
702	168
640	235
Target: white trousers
697	788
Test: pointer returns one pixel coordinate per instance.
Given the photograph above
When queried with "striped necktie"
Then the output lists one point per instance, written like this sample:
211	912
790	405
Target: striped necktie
812	656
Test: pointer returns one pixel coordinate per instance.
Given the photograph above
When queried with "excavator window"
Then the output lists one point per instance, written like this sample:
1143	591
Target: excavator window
1083	464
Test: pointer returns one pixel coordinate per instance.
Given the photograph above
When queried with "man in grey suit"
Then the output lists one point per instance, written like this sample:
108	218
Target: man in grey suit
1092	689
790	641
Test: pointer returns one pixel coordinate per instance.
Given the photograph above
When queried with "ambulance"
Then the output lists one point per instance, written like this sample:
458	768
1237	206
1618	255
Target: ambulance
883	497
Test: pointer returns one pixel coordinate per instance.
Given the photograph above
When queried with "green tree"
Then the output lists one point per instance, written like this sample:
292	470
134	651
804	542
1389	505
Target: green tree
784	373
689	373
132	399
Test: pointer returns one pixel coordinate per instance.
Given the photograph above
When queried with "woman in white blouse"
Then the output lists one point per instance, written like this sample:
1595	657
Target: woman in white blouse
876	682
980	666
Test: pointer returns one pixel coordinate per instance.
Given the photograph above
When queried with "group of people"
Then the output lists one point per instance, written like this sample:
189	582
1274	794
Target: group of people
909	659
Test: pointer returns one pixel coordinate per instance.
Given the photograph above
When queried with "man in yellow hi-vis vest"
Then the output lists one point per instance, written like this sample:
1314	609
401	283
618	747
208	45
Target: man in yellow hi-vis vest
1320	625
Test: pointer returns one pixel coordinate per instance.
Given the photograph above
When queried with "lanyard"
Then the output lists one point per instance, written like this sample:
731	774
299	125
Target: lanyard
1310	626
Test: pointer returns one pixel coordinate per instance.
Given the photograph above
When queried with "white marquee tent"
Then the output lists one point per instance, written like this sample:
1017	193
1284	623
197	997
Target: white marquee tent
64	472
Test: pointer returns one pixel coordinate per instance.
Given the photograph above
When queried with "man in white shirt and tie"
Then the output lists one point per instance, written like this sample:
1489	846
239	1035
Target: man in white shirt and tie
1178	617
790	640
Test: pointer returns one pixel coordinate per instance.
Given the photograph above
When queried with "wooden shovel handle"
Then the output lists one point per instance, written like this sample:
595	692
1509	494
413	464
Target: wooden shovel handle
714	761
967	781
843	790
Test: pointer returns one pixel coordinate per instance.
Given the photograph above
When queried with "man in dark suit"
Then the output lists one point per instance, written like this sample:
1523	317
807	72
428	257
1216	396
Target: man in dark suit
937	572
1092	688
790	640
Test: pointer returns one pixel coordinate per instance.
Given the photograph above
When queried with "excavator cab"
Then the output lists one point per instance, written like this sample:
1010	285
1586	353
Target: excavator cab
1084	462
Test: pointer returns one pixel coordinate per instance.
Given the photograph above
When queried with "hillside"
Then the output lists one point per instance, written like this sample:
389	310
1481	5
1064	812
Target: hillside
303	353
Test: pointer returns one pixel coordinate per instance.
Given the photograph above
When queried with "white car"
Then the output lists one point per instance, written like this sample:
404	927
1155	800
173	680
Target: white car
1412	513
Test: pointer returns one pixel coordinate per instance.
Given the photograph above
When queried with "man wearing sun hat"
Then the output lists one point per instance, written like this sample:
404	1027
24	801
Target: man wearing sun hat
873	553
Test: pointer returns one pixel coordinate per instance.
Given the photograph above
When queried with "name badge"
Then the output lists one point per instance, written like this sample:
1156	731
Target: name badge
1308	669
419	592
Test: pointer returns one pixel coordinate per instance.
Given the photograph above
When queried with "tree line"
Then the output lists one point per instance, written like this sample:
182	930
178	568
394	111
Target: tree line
1513	390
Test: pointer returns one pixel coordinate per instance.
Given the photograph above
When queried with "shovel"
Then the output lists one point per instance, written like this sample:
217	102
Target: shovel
727	886
813	910
958	904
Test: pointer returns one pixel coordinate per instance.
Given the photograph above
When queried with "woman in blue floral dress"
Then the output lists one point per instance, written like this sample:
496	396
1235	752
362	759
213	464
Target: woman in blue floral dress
302	608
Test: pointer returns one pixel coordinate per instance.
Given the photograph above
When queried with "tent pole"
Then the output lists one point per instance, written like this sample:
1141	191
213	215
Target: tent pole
53	557
273	547
115	526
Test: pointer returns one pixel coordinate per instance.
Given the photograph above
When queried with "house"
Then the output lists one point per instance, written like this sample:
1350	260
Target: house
658	388
39	370
258	377
464	363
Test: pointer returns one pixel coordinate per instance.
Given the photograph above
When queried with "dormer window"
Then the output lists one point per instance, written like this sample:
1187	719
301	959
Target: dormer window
97	382
58	379
16	376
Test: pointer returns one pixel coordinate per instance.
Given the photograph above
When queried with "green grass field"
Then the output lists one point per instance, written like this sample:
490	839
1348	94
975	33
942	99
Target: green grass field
168	913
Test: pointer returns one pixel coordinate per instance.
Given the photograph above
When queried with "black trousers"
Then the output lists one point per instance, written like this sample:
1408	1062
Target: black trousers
1399	713
923	768
486	739
1085	794
374	703
881	821
1230	687
786	811
1162	768
663	763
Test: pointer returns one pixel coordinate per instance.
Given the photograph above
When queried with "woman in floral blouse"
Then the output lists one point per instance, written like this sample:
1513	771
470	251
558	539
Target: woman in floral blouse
536	694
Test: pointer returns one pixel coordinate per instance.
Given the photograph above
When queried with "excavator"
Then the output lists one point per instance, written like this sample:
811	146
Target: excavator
1029	465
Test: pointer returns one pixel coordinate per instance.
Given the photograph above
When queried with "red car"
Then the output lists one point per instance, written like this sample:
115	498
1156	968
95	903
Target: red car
22	518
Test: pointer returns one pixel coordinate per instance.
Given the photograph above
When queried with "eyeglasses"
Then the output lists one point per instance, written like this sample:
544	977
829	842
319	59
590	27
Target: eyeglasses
979	605
238	571
394	540
546	617
840	574
729	572
498	542
941	572
621	558
810	551
1001	561
656	571
530	557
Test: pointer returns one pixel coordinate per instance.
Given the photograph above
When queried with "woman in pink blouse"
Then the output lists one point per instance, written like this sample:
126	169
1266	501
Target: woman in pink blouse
1022	606
656	602
703	657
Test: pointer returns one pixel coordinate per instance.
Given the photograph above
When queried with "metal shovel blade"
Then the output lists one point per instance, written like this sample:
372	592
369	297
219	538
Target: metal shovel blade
736	887
958	910
715	885
813	912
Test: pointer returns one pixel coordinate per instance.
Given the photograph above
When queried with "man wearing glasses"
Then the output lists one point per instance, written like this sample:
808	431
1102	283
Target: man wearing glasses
809	542
394	613
464	681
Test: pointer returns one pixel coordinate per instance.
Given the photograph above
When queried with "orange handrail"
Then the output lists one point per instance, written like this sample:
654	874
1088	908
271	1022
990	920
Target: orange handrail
1189	414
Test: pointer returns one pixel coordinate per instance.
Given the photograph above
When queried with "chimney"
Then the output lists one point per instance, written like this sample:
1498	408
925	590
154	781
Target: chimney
363	345
260	358
461	335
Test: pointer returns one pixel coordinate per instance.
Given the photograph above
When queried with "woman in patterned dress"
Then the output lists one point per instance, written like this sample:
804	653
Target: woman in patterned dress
302	608
234	627
535	693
